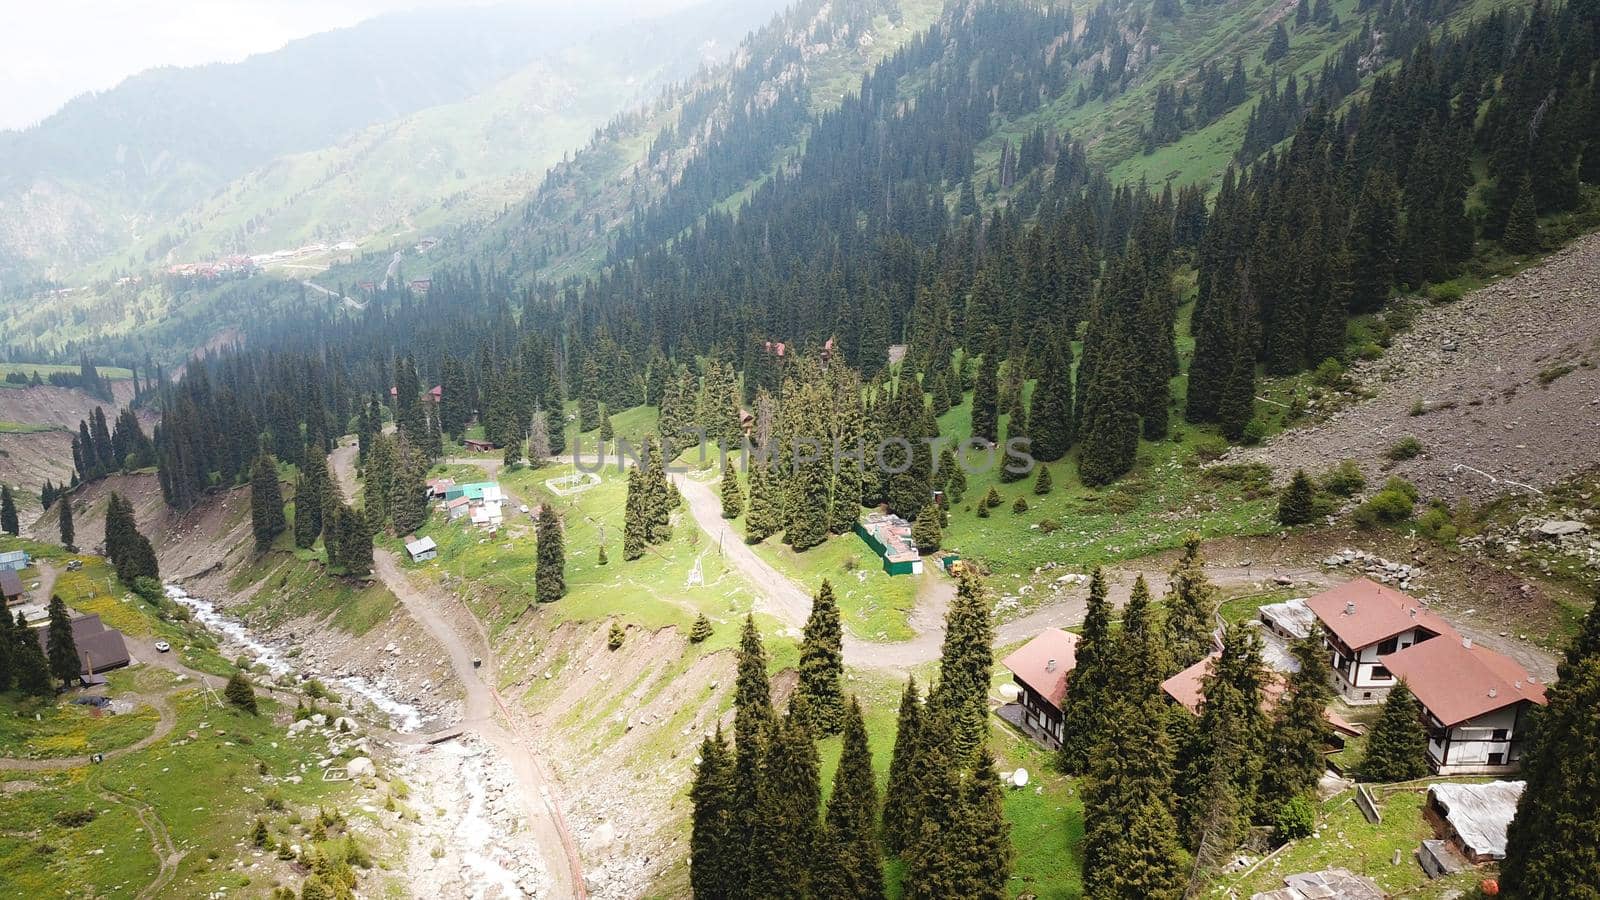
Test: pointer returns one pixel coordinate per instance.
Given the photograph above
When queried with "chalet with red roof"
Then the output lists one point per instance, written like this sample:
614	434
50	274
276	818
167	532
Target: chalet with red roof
1187	689
1363	621
1040	669
1475	704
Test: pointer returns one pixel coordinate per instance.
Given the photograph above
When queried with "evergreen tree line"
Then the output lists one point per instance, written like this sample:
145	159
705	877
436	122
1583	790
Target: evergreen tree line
759	829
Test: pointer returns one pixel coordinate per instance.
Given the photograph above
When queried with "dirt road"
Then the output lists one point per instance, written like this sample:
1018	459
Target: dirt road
458	632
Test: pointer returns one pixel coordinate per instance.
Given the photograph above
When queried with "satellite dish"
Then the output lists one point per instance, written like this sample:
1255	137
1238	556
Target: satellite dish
1019	778
1010	692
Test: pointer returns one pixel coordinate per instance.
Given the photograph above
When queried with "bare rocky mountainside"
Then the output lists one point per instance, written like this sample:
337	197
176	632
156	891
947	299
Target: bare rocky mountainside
1501	388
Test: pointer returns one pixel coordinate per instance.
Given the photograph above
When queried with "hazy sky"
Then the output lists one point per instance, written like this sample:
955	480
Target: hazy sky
57	49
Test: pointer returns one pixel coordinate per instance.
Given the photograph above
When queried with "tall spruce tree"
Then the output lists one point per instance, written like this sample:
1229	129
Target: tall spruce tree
1090	684
1191	601
63	649
988	832
965	663
266	502
1225	764
8	511
985	395
765	505
1397	748
753	725
732	494
31	664
819	697
68	532
852	867
1143	661
713	853
550	576
1294	761
938	859
130	552
1131	848
1551	843
901	795
788	806
634	536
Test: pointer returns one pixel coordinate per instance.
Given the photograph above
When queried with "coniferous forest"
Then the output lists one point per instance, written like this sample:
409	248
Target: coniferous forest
847	275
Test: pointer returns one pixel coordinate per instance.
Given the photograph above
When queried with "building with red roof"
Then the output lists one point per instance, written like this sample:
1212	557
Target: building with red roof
1187	689
1475	704
1363	621
1040	669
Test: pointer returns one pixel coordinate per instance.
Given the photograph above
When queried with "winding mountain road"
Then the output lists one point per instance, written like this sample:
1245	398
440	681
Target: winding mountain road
483	712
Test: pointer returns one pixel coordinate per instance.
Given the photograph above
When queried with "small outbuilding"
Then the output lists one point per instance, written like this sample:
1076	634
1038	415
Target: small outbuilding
14	560
477	446
422	550
889	536
1473	818
10	586
1291	619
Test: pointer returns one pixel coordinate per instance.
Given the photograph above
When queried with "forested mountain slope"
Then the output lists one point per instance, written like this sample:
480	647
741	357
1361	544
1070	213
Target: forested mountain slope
116	177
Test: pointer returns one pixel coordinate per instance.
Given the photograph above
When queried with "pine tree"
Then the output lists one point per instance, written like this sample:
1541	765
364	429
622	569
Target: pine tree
31	665
788	806
63	650
753	726
513	454
1294	760
68	533
1279	46
853	868
965	663
240	694
8	512
901	796
615	636
129	551
926	532
1397	748
1224	770
266	502
1041	484
606	431
1190	601
1142	658
408	496
1521	233
10	656
819	698
763	519
985	396
732	494
550	578
988	832
1550	845
1131	846
700	630
712	850
634	537
1090	684
1051	421
1297	503
955	486
939	861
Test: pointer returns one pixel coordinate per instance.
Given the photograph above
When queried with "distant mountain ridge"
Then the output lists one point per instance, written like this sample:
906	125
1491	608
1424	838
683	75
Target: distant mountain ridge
112	168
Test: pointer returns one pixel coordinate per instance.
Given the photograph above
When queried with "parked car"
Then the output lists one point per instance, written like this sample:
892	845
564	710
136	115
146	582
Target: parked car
74	565
162	646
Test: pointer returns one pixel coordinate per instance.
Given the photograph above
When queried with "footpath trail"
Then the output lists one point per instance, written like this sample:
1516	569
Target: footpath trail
484	712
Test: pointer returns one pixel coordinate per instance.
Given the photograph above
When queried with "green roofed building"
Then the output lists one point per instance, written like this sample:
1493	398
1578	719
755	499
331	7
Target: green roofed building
889	536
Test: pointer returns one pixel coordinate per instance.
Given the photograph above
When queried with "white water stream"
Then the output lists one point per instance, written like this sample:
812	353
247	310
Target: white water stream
403	716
